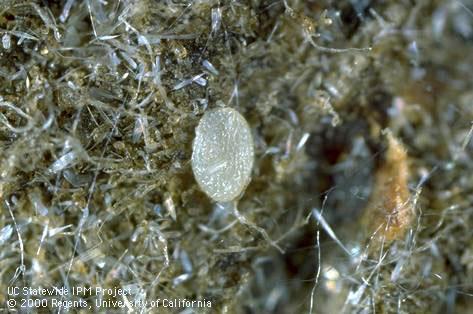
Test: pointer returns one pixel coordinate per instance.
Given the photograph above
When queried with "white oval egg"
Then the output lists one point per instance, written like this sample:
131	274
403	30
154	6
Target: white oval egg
223	154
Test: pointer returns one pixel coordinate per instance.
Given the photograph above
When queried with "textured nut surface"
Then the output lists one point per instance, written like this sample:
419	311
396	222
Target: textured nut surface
223	154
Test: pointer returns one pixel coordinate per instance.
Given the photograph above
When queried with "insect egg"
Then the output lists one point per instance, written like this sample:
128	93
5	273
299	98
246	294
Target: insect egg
223	154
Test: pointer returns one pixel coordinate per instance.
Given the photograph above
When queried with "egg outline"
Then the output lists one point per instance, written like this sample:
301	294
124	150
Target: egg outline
198	152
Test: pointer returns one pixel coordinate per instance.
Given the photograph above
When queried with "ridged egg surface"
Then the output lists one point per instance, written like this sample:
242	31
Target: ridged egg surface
223	154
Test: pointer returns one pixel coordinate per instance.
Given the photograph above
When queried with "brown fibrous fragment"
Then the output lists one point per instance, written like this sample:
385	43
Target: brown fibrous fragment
390	209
